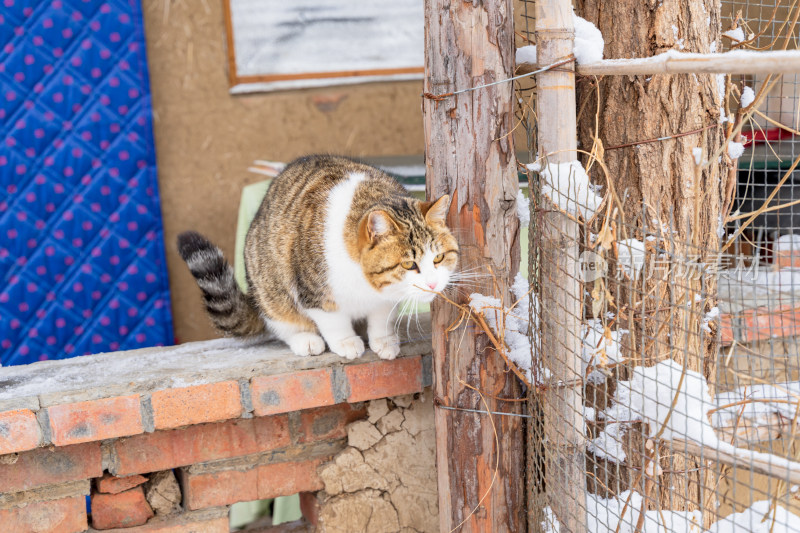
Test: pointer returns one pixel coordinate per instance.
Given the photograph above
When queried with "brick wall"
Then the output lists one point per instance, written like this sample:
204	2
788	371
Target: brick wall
166	439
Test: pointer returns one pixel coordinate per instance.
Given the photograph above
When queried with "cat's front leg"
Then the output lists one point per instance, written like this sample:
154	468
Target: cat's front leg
380	330
337	330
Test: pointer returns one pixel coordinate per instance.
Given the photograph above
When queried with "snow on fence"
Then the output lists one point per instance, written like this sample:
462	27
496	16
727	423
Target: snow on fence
663	324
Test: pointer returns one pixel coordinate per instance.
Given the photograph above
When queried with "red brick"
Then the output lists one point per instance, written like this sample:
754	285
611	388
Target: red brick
383	379
109	484
284	479
787	259
764	323
328	422
49	466
291	392
309	506
67	515
197	404
163	450
126	509
219	488
224	487
95	420
19	431
179	523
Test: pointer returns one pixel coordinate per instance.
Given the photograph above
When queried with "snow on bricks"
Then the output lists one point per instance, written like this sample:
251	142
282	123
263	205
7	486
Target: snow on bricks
236	422
55	402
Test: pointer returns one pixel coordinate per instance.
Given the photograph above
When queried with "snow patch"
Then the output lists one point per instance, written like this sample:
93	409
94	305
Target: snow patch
589	44
526	54
698	156
516	323
748	96
649	397
523	209
712	315
736	35
758	519
601	347
735	150
612	514
761	400
675	34
787	243
568	186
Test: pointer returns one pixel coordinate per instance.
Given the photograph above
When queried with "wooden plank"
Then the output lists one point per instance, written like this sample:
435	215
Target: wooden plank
310	43
761	463
480	460
561	293
266	78
672	62
231	48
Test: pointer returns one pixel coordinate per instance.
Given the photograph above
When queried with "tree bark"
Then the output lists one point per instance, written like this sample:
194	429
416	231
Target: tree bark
470	156
661	186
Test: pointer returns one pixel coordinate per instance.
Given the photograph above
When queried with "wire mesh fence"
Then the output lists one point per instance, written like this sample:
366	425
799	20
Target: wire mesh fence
665	352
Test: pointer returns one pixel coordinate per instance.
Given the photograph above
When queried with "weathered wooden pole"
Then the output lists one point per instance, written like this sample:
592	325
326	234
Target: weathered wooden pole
470	156
561	289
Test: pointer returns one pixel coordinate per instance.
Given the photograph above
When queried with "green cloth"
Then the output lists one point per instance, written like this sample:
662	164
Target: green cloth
248	207
285	508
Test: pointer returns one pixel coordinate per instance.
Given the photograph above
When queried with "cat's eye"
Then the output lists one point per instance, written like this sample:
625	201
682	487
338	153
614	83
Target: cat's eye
408	265
438	259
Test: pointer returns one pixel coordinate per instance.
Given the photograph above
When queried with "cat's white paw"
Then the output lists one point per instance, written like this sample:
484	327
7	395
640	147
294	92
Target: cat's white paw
305	343
386	347
350	347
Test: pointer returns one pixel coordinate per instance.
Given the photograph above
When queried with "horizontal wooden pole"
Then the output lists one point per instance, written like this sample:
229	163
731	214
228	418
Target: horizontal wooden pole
760	463
674	62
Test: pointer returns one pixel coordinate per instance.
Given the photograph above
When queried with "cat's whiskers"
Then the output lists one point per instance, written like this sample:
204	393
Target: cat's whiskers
403	313
416	317
391	313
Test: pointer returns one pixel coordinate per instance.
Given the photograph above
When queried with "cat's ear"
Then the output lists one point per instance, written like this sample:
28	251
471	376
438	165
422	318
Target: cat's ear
379	224
435	212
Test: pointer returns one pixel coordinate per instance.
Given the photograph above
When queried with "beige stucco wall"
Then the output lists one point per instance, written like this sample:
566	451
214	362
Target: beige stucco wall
206	138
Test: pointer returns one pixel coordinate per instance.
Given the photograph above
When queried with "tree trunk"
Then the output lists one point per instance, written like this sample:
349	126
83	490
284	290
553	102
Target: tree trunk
662	314
470	157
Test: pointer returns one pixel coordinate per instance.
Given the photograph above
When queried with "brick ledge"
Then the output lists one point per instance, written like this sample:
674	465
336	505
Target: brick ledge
120	394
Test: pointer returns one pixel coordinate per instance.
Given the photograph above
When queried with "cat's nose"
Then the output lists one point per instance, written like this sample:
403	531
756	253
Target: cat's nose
432	285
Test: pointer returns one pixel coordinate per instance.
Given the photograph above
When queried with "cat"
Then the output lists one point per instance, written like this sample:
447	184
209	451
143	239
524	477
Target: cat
334	240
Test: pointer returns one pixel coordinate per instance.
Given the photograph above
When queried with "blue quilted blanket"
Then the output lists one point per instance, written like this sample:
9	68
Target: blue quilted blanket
82	266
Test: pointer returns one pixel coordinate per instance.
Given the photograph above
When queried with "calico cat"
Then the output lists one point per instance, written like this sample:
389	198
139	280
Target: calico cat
333	241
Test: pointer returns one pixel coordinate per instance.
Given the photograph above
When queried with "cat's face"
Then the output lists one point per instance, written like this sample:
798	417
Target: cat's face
407	252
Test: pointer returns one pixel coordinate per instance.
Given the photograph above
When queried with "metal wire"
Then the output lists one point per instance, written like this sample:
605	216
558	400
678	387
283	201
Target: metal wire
678	340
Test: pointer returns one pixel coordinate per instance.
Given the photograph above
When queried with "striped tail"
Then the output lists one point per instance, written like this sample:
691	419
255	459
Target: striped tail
230	309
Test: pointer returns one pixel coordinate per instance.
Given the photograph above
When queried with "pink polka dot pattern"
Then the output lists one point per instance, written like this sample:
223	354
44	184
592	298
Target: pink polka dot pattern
82	265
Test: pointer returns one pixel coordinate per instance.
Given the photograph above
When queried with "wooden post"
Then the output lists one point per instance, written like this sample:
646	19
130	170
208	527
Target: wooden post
470	155
561	293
